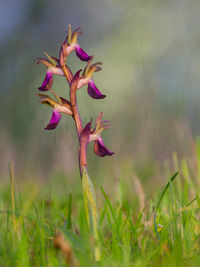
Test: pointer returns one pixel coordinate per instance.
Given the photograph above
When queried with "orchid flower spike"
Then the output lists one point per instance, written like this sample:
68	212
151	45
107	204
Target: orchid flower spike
88	135
63	107
86	79
70	44
95	135
52	68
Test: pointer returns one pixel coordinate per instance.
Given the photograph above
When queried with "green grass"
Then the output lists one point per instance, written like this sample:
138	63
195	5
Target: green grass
166	232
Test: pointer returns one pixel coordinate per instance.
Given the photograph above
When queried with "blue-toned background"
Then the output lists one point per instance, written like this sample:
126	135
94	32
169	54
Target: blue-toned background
151	76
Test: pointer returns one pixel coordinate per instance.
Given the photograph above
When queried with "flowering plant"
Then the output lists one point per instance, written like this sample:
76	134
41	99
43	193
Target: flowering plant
60	105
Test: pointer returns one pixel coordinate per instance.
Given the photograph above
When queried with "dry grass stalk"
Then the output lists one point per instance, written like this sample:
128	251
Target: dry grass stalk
140	192
61	244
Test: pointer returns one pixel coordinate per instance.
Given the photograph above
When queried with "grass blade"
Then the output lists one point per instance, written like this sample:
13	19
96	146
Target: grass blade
159	201
165	189
109	204
69	220
91	210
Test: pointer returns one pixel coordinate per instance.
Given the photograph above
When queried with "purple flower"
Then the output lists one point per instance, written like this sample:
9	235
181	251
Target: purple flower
93	91
70	44
88	135
81	54
55	118
63	107
86	79
52	68
47	83
99	147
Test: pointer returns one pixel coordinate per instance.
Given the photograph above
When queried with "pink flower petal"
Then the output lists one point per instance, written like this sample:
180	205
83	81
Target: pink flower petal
54	120
81	54
47	83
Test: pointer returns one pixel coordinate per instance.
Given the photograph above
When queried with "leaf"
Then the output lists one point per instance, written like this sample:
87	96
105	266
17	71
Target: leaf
90	202
69	220
165	189
159	201
109	204
91	209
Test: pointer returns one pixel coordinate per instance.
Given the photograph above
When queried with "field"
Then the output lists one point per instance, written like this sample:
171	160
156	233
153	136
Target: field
135	230
147	206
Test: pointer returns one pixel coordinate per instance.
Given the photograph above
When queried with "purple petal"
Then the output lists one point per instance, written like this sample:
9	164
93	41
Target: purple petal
100	149
81	54
93	91
75	80
86	130
54	120
47	83
76	76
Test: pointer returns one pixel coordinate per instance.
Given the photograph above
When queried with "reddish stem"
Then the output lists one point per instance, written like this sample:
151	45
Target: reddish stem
76	115
67	72
84	141
77	119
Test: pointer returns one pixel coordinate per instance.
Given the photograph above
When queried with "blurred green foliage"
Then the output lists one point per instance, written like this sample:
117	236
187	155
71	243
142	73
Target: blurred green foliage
149	51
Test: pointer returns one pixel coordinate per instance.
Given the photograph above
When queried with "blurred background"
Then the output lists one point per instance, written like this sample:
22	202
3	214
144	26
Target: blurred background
150	53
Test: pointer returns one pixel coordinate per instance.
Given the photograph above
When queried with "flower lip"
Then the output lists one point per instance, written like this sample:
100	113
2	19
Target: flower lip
81	54
93	91
86	78
53	67
47	83
100	149
48	80
94	135
55	118
70	44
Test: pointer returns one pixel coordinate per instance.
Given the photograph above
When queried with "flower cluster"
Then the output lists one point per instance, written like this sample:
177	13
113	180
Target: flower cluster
60	105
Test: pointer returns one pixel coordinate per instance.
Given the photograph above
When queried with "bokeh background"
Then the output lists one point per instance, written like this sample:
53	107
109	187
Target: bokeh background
150	53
